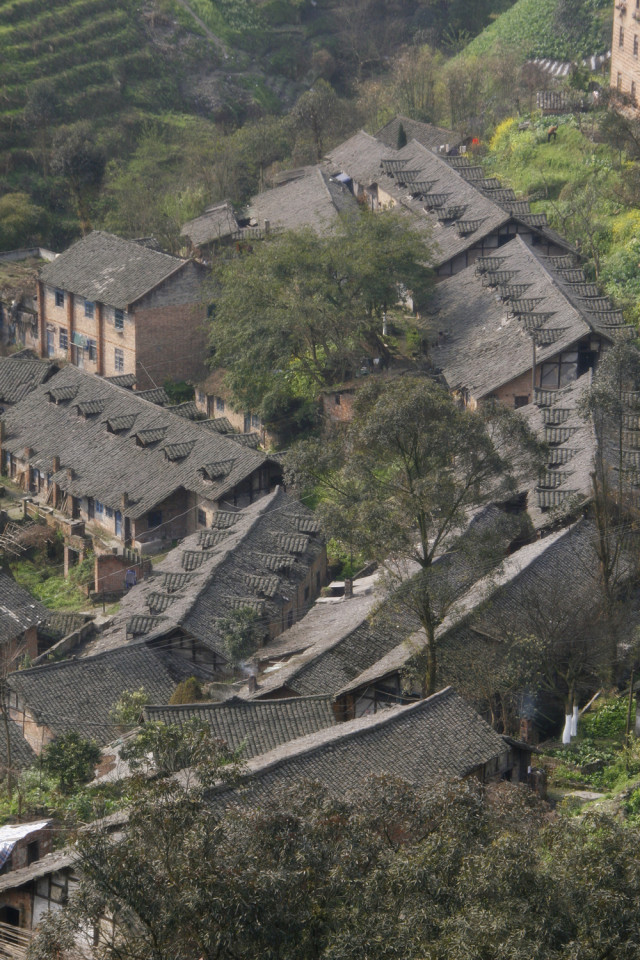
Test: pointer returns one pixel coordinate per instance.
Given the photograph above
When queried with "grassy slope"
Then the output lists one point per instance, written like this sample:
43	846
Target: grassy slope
534	168
529	29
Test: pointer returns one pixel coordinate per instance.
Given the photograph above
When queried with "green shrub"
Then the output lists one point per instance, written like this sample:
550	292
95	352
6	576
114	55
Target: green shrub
127	711
187	691
70	759
607	721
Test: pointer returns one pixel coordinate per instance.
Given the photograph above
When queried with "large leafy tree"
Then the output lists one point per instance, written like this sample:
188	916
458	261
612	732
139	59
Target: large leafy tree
454	872
402	482
299	312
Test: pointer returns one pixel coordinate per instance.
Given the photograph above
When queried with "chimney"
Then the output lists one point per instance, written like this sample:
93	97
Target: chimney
252	684
267	226
70	473
2	436
125	501
348	588
28	453
55	464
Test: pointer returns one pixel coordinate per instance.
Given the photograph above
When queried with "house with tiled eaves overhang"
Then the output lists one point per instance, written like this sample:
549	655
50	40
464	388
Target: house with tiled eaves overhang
515	322
549	590
114	306
252	727
425	743
462	213
78	695
269	559
135	471
20	617
21	373
333	650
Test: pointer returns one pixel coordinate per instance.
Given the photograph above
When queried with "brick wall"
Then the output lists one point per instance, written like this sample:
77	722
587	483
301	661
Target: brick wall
171	343
110	570
338	406
520	387
37	735
625	53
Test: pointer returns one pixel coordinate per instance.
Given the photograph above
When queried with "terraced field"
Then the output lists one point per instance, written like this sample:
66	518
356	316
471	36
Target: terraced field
94	52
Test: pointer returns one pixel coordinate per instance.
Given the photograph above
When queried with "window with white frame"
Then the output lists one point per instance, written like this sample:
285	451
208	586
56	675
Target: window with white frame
64	338
118	319
89	308
118	360
59	298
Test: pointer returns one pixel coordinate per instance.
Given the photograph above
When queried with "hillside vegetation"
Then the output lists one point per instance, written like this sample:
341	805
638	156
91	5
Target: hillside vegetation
587	186
132	114
556	29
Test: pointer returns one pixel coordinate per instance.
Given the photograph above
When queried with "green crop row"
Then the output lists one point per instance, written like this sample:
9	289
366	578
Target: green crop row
16	11
530	29
98	26
51	65
50	22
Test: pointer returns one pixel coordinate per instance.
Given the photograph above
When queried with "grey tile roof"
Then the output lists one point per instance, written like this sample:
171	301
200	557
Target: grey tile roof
20	375
22	756
217	222
212	573
483	341
107	269
125	380
427	134
334	661
18	609
256	726
77	695
435	739
361	158
187	410
468	604
107	464
561	583
60	624
326	623
311	200
219	425
557	418
51	863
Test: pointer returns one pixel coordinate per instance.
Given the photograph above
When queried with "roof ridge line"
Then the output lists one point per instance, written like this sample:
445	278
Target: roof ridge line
337	732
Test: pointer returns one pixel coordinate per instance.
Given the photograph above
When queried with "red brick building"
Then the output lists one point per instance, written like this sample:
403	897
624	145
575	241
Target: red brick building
114	306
